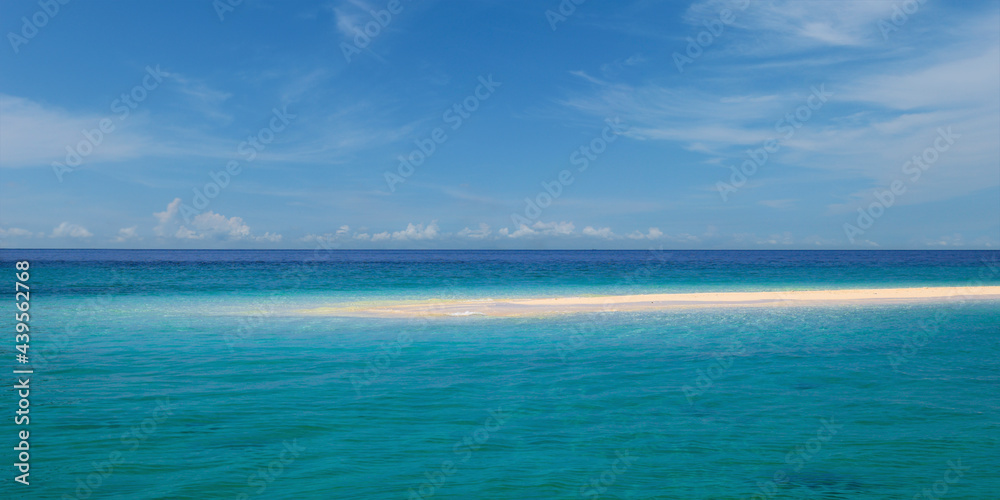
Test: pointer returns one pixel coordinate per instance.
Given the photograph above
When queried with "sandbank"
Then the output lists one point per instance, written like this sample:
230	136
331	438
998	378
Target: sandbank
653	302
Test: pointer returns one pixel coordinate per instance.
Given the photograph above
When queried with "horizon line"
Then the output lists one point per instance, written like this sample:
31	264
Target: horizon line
530	249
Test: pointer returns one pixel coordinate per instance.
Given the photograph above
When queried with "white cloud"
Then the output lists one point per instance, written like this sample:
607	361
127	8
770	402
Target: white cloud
309	238
604	232
213	223
685	238
556	228
206	225
539	229
328	238
954	240
653	234
14	232
780	239
412	232
536	231
483	232
417	232
68	230
126	233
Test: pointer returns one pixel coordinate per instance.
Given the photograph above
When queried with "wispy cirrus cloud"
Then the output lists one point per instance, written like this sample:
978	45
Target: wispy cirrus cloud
35	134
879	116
783	26
350	16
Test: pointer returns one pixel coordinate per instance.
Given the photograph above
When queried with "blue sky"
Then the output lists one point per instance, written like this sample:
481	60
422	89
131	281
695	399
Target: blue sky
712	124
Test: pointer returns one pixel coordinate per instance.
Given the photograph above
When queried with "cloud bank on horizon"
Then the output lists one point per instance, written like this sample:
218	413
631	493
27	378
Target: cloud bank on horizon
558	124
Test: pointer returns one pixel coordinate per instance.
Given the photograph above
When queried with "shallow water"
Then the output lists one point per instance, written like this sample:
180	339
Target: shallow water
140	361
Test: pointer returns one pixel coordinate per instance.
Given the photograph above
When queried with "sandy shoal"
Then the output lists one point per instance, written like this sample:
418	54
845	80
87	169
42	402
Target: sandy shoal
661	301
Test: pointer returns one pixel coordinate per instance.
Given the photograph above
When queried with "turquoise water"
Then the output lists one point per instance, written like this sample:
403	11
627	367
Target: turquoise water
152	381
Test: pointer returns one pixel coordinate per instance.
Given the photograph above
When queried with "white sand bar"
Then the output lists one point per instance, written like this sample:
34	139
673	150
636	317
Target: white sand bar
662	301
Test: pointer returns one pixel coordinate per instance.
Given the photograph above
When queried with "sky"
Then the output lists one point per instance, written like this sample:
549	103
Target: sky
536	124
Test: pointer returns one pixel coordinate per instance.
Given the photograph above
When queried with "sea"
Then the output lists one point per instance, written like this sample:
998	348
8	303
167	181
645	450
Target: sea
178	374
